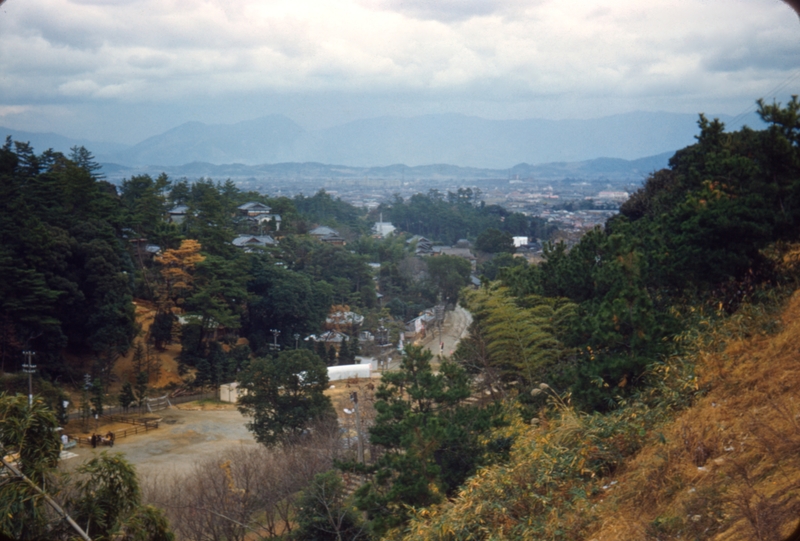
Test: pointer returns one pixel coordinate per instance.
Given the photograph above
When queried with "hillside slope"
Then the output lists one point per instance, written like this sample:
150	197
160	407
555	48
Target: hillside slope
727	467
730	465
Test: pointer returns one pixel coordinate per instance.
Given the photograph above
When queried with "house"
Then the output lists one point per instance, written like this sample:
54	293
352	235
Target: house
326	234
177	215
334	240
330	338
253	208
323	231
259	213
423	246
250	242
417	327
338	319
144	250
456	252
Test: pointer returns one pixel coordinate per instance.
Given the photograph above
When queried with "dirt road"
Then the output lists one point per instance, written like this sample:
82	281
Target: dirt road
455	327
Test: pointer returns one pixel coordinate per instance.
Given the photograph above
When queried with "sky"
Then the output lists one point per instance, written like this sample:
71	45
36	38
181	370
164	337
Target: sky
124	70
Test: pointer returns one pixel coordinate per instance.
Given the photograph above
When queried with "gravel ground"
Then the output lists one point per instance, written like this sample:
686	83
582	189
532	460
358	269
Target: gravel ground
183	438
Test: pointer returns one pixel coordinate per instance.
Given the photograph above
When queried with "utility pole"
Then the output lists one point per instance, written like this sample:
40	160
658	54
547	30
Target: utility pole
274	345
354	399
29	368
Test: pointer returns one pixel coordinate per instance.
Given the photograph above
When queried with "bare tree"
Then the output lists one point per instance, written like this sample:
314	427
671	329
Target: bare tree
243	491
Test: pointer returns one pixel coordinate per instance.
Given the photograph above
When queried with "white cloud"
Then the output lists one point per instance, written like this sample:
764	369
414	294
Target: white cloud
506	52
13	110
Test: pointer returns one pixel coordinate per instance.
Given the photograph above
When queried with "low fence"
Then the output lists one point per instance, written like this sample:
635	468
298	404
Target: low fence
146	426
118	410
153	423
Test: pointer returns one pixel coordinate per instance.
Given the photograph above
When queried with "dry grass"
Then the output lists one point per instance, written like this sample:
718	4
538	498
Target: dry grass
728	467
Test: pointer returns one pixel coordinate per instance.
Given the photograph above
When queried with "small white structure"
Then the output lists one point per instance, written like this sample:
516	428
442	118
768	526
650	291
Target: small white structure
520	241
372	362
348	371
229	392
383	229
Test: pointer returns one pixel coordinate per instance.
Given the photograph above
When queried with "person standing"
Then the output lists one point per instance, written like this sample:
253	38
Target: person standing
94	441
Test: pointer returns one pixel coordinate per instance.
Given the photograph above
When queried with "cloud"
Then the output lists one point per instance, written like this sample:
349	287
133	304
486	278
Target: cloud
504	57
447	11
13	110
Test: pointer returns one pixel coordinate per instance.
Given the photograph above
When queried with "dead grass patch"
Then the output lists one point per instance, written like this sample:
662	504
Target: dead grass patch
727	468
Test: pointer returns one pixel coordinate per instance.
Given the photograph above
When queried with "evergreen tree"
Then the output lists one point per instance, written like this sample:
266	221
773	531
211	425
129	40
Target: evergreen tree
430	437
285	395
126	396
321	350
97	397
344	353
331	356
142	382
161	329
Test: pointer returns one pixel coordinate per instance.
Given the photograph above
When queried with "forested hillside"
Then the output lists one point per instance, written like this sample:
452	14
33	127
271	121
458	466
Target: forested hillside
640	385
598	351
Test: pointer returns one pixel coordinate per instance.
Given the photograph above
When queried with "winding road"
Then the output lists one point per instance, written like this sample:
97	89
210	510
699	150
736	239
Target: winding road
455	327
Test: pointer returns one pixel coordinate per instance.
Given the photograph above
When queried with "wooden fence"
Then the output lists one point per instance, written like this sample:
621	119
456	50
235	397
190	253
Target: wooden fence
116	410
140	425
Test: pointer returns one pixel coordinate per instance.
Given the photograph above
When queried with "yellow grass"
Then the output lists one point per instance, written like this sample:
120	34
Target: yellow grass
730	465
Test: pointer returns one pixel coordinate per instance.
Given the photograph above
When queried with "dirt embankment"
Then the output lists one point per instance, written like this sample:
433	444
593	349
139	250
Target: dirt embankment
728	467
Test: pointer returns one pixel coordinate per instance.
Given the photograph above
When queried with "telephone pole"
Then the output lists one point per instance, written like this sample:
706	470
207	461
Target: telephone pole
29	368
354	399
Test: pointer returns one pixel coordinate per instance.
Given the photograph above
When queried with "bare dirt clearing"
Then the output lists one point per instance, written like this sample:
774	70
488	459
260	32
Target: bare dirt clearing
192	432
184	437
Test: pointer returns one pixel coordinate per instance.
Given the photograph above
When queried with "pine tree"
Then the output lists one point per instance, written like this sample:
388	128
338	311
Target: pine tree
142	383
97	398
332	355
126	396
344	353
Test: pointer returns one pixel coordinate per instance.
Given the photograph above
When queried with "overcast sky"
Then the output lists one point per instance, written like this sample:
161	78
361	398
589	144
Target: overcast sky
122	70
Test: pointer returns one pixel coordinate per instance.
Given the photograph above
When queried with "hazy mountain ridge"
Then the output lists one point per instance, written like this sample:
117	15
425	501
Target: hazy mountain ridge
597	169
41	141
467	141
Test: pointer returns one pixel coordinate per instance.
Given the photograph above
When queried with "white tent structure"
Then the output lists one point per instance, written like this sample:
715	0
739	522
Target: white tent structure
347	371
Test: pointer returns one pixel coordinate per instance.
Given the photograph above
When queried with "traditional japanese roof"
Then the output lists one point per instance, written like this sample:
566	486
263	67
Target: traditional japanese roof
249	241
323	231
255	207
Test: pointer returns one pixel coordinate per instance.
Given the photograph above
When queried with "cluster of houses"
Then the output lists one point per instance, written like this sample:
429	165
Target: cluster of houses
258	215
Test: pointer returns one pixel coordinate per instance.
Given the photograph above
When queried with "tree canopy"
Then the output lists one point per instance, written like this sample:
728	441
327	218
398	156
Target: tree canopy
284	395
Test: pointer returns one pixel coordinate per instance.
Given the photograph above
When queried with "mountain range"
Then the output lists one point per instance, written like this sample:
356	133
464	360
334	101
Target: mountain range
615	169
466	141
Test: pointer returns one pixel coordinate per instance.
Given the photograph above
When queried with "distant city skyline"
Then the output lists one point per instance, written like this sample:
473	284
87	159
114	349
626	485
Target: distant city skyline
129	69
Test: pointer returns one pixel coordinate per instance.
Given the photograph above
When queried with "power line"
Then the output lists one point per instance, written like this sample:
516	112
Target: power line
780	86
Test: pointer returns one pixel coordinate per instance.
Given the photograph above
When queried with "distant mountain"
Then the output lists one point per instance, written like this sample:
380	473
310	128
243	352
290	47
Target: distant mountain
446	138
42	141
263	140
440	139
596	169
